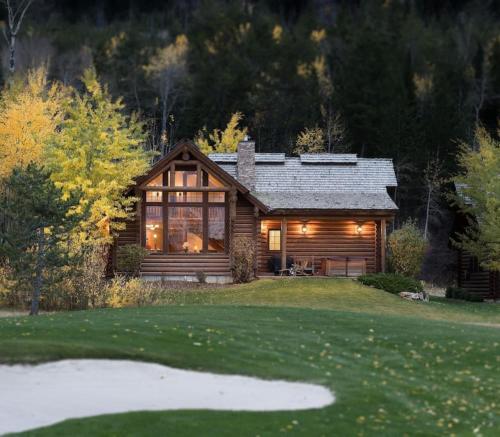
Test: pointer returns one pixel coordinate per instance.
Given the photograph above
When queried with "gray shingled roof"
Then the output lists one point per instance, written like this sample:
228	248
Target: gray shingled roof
320	181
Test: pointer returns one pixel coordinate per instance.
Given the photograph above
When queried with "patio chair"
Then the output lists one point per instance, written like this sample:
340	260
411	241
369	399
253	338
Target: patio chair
303	267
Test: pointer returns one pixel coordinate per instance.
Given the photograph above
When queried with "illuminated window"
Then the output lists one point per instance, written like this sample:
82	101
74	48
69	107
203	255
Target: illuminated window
185	229
155	196
216	228
185	197
274	238
216	197
186	176
154	228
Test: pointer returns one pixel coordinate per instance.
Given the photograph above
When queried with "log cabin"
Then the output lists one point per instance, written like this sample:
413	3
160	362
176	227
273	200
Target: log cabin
471	276
325	212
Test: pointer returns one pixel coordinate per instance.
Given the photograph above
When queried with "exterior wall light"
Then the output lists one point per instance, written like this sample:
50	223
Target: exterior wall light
359	229
304	228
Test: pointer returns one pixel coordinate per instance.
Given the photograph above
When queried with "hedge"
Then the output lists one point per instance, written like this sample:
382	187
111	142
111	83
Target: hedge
391	282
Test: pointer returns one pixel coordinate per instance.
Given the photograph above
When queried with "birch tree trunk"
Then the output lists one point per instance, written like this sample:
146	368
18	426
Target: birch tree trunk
15	16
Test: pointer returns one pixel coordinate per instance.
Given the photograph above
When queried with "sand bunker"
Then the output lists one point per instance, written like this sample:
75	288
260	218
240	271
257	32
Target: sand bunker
41	395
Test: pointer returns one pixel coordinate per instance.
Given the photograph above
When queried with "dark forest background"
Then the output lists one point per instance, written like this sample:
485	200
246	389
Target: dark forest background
406	79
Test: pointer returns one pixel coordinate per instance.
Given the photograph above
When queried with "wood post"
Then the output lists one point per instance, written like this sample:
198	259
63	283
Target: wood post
283	242
383	230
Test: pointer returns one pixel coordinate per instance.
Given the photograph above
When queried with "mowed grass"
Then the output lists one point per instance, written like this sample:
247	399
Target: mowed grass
338	294
392	374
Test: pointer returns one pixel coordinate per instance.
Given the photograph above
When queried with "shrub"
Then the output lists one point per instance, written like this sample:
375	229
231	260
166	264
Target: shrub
391	282
202	277
455	293
129	259
132	292
407	249
242	259
474	297
460	293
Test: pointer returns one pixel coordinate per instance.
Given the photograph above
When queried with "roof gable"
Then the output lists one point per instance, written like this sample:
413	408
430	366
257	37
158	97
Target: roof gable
187	146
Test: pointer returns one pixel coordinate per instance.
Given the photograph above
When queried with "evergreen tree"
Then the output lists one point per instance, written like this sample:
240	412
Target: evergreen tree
34	235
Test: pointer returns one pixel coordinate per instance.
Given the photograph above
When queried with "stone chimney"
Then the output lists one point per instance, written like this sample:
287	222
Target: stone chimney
246	163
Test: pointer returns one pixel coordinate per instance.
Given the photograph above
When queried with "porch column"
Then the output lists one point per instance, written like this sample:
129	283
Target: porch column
283	242
383	231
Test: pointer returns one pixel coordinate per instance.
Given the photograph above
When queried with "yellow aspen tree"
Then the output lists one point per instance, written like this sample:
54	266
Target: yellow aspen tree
98	151
222	141
30	111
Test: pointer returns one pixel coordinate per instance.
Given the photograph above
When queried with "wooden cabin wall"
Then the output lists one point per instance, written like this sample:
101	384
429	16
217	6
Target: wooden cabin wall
325	237
130	235
245	221
476	280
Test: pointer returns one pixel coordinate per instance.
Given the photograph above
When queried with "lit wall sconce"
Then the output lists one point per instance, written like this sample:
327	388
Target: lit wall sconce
359	229
304	228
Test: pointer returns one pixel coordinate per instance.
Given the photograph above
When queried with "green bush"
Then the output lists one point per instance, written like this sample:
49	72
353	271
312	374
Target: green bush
129	259
391	282
460	293
474	297
242	259
407	248
455	293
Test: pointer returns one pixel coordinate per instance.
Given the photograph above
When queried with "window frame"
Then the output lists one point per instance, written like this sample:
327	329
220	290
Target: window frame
169	182
269	239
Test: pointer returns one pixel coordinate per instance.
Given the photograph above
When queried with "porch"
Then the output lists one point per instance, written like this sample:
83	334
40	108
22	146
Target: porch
321	246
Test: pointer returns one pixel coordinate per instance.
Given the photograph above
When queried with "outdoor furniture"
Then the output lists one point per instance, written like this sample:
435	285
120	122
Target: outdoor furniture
348	266
304	266
274	264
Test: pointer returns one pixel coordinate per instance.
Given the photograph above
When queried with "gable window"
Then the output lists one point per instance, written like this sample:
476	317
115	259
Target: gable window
158	181
188	215
211	181
274	239
186	176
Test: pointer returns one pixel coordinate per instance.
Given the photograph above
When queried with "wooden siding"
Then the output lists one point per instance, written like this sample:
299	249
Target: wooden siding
325	237
129	235
476	280
216	264
244	222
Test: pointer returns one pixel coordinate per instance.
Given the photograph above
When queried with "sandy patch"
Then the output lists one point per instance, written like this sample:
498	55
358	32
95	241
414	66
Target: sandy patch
41	395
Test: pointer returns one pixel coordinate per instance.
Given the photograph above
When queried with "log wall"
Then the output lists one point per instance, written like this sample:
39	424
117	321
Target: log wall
476	280
325	237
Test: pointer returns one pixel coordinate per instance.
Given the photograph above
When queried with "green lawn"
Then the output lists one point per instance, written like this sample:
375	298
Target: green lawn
338	294
392	368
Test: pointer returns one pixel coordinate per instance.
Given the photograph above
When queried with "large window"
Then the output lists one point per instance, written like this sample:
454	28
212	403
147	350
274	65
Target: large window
154	228
195	221
216	228
185	229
